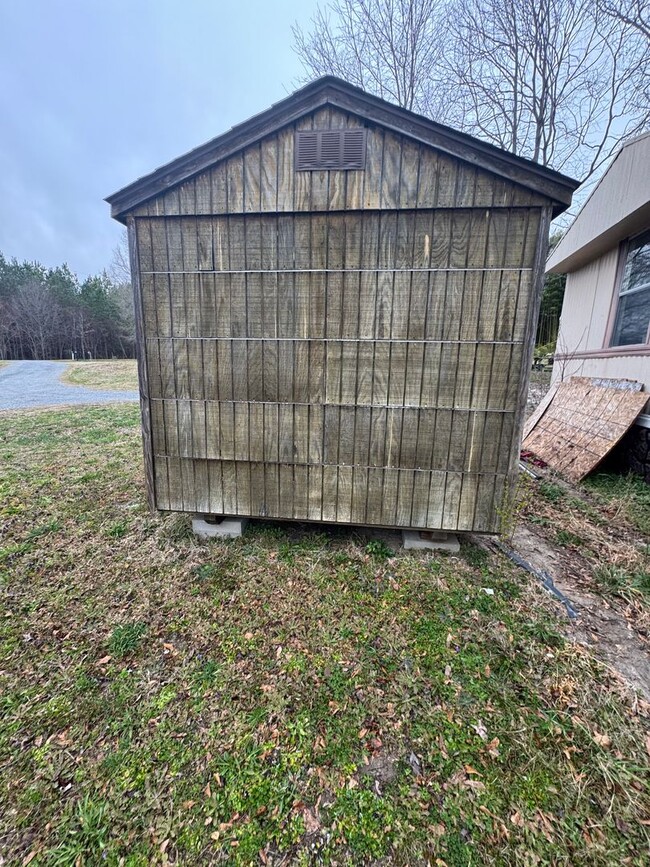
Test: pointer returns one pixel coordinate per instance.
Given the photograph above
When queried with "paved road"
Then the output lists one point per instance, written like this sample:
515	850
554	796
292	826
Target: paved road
26	384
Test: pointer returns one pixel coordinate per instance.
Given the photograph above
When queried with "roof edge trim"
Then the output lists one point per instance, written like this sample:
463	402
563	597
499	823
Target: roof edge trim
336	92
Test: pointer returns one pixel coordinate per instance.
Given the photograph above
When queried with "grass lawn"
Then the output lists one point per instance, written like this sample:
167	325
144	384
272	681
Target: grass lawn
115	375
288	698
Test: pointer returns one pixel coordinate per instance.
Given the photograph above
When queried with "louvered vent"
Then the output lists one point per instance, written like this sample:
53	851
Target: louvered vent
339	149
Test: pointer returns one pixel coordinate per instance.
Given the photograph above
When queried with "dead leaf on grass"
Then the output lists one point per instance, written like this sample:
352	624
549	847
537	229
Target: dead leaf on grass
416	764
602	740
456	779
480	730
312	825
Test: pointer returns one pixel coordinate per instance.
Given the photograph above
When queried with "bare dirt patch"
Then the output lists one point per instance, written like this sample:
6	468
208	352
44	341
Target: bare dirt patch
602	627
594	547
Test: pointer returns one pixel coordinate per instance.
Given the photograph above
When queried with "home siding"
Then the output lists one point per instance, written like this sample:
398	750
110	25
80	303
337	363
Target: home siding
584	327
587	305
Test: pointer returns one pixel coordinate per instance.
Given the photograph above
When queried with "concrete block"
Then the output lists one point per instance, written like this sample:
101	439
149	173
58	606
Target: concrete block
427	540
220	528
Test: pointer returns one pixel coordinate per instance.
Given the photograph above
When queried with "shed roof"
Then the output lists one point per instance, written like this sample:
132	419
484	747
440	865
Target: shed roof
618	207
336	92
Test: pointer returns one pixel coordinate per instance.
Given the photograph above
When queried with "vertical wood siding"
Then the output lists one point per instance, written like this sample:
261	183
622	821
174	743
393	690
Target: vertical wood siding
338	346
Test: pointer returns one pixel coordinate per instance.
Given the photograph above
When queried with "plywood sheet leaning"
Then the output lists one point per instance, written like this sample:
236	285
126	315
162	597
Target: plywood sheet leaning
583	422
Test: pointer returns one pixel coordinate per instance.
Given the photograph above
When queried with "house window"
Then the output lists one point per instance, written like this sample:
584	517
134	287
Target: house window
633	311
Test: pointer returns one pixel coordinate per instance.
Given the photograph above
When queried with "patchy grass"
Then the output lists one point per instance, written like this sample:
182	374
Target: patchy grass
629	585
626	496
116	375
602	525
291	697
125	639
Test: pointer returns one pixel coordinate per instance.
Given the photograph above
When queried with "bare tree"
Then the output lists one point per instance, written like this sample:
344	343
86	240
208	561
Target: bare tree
558	81
633	13
122	292
552	80
37	318
392	48
120	268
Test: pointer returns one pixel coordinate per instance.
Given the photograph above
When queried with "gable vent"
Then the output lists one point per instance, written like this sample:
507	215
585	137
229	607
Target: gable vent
339	149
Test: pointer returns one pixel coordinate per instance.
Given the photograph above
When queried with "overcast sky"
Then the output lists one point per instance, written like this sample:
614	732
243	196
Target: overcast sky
96	93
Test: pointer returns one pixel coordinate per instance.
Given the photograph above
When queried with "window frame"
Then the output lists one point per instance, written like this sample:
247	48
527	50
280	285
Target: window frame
623	251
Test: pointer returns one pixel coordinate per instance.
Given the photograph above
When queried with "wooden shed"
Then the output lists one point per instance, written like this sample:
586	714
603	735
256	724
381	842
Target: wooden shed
335	305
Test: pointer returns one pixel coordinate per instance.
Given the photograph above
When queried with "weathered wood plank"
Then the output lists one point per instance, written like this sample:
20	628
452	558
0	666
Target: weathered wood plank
151	477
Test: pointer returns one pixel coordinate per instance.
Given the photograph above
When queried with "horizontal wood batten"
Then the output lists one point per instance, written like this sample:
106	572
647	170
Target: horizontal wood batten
340	405
355	340
338	467
335	271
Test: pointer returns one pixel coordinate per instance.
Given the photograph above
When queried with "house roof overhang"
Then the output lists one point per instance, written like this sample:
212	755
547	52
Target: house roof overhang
619	206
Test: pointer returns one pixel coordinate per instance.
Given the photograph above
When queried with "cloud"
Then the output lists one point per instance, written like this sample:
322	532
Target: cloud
97	94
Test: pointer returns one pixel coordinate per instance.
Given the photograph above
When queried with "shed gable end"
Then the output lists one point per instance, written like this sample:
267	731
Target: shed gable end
399	173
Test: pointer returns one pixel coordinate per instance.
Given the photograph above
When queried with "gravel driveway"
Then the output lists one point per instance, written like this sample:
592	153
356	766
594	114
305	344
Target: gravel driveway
26	384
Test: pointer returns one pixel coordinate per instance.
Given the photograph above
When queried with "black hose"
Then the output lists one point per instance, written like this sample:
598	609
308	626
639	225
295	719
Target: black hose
542	575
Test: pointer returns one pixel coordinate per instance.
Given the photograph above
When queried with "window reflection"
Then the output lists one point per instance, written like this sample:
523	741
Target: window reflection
633	313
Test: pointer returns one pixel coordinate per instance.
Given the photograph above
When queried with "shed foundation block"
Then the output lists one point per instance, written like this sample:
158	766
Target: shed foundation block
430	541
208	527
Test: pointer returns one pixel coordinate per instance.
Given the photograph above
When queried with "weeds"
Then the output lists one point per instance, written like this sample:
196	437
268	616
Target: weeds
117	530
627	495
553	492
622	582
568	539
378	549
475	555
126	639
515	503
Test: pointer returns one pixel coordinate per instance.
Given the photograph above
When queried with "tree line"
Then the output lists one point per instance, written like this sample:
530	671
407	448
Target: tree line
51	313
